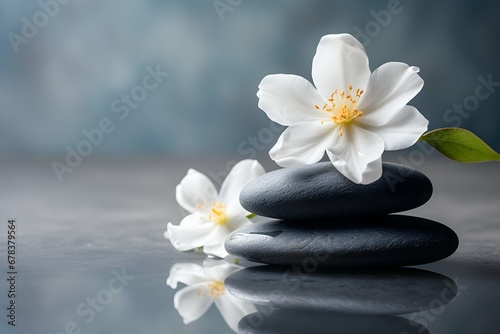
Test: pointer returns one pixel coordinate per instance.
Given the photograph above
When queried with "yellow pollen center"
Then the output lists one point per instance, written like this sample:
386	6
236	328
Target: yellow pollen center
342	107
218	213
216	289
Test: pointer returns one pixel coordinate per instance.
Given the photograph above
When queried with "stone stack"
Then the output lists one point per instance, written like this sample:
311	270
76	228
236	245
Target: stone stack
322	219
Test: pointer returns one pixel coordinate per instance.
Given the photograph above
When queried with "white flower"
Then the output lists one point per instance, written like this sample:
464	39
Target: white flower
205	285
352	114
213	216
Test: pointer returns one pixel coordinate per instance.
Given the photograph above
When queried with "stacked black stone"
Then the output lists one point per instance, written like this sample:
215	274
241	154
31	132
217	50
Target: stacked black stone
323	219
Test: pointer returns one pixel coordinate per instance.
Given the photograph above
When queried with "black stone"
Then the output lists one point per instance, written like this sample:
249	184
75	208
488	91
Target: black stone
319	191
388	291
392	240
301	322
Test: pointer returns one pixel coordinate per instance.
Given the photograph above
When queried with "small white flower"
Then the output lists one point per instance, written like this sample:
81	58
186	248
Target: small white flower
213	216
205	285
352	114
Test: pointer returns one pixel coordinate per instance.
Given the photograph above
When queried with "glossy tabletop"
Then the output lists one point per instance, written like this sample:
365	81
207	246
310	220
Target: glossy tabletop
91	256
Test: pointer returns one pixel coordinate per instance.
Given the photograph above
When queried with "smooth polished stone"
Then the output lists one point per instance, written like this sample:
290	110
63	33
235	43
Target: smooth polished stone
319	191
300	322
389	291
392	240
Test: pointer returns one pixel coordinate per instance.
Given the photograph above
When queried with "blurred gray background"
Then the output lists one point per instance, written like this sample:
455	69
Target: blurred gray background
64	78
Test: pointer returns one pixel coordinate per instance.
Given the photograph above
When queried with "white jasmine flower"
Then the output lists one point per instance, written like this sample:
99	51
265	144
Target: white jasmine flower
205	285
352	113
213	215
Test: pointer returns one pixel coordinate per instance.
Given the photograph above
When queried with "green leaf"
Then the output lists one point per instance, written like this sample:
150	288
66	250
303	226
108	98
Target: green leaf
250	216
460	145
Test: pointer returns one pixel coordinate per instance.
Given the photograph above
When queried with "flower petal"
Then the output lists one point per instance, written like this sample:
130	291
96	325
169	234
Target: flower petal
195	191
340	61
288	99
215	245
390	88
186	273
403	130
233	309
303	143
194	231
192	302
194	219
373	171
235	221
354	151
239	176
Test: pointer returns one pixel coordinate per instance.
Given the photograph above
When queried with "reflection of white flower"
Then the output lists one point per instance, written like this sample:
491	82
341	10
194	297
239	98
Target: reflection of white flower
205	285
352	114
213	216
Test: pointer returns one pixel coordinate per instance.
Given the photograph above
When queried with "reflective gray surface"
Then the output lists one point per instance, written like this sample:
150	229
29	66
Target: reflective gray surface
110	214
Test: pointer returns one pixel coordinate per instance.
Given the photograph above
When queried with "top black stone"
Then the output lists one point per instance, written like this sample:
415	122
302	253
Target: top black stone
319	191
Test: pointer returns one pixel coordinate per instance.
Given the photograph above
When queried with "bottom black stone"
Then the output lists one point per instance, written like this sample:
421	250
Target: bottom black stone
383	241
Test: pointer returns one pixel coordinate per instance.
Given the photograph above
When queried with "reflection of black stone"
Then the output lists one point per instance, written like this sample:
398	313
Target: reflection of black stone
319	191
394	291
392	240
319	322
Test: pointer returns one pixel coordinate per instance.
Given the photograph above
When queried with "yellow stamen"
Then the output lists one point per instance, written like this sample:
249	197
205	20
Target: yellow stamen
343	107
216	289
218	213
201	205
